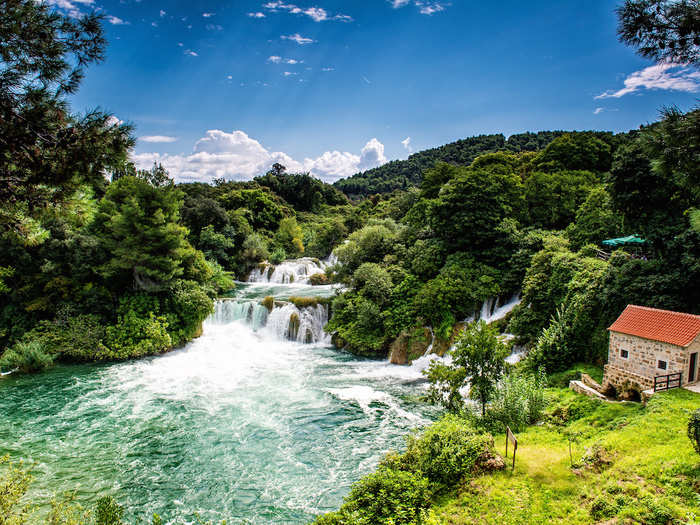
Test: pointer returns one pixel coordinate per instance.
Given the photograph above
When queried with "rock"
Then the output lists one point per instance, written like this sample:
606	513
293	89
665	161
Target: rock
338	341
489	461
398	351
409	346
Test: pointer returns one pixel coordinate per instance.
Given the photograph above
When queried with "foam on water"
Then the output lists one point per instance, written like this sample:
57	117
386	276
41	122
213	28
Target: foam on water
241	424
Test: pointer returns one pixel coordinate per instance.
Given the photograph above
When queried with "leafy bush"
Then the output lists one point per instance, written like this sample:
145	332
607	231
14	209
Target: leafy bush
447	451
385	497
137	336
358	322
694	430
519	400
374	282
27	356
278	255
14	482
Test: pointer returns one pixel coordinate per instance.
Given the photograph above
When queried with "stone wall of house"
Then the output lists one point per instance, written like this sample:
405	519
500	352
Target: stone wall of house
641	364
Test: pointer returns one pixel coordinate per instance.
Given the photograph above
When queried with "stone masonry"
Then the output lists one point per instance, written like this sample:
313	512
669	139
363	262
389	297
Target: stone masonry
642	362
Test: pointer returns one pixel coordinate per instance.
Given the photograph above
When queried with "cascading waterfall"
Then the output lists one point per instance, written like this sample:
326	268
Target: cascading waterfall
286	321
303	325
228	311
295	271
493	309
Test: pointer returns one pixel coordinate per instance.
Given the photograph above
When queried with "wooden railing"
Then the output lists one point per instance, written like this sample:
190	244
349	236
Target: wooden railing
667	382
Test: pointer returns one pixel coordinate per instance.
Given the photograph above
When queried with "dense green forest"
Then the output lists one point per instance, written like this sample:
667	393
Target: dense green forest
404	174
531	222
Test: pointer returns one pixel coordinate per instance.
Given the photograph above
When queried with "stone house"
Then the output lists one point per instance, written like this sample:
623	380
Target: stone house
646	343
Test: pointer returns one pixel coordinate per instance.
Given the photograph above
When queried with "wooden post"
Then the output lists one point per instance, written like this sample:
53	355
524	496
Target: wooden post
511	437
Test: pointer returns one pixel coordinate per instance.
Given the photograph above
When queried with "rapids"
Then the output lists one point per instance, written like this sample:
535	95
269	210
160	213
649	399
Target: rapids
242	424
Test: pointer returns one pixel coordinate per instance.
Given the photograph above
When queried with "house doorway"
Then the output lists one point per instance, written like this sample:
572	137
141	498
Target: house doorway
692	371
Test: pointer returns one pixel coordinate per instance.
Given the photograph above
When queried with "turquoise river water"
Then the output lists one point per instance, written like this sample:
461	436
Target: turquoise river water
242	424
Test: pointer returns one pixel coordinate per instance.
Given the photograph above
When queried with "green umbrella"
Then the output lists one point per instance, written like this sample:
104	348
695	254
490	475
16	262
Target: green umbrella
622	241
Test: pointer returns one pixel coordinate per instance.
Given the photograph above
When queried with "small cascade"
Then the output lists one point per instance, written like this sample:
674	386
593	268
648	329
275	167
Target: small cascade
429	350
294	271
493	309
285	321
229	311
303	325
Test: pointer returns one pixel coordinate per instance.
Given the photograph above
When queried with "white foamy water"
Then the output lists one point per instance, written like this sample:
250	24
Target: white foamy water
242	424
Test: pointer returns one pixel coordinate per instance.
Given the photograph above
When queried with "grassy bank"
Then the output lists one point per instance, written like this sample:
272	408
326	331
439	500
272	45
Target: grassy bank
632	464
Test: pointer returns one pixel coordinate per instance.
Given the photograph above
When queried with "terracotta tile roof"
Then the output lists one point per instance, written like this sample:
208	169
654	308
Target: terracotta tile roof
675	328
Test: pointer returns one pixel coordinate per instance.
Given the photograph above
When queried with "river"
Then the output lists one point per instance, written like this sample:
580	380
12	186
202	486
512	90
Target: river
242	424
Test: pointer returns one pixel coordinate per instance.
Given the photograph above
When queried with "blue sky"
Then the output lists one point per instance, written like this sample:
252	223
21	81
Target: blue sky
228	88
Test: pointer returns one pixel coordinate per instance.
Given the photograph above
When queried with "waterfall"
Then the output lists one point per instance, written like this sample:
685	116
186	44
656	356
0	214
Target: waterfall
493	309
429	350
228	311
295	271
285	321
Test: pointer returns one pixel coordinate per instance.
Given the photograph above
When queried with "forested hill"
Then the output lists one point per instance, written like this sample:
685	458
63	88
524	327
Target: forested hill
402	174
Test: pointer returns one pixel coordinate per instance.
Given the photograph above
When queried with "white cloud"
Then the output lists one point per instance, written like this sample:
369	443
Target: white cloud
207	15
372	155
191	53
116	21
327	69
229	77
288	74
673	77
274	59
69	6
425	8
213	27
162	13
598	111
154	24
256	15
429	9
367	81
296	37
237	156
158	139
317	14
407	144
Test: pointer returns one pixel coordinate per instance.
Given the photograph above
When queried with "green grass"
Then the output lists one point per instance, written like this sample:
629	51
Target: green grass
561	379
653	474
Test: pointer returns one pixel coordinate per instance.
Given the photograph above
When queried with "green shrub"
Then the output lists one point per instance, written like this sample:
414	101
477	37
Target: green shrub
447	451
27	357
278	255
387	497
519	401
137	336
108	512
14	482
603	508
694	430
78	338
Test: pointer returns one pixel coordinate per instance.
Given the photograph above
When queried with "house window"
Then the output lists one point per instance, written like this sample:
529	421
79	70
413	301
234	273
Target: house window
624	354
662	365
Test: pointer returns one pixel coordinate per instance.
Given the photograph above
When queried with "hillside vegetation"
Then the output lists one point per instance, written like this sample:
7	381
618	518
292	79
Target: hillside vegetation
628	464
404	174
